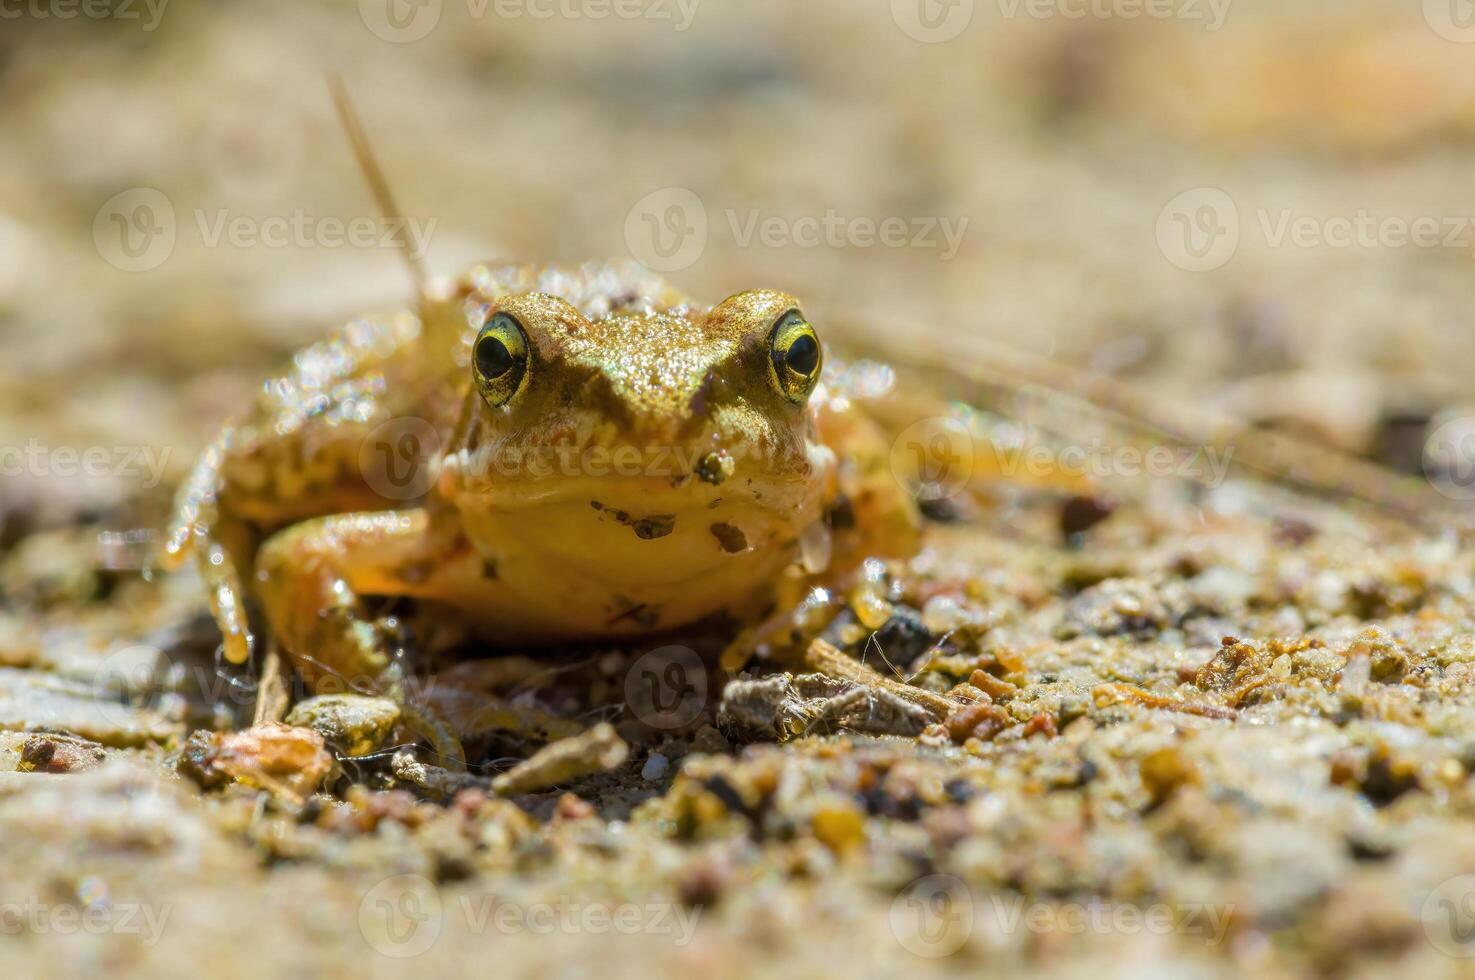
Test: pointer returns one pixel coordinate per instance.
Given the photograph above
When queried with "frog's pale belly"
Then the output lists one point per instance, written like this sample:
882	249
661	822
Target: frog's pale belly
582	568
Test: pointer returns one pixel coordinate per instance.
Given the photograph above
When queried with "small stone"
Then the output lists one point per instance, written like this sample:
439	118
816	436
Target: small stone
943	614
709	740
59	754
839	828
655	767
903	637
1082	512
280	758
1164	771
354	724
870	608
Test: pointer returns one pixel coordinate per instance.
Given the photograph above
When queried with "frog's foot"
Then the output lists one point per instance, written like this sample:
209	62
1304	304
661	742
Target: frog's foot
227	597
218	546
310	577
429	725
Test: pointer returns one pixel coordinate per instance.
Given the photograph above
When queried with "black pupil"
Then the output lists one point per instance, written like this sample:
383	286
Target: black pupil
493	359
803	355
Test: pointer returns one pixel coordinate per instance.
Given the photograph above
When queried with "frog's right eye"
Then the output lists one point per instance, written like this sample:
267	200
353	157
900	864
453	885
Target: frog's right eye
500	359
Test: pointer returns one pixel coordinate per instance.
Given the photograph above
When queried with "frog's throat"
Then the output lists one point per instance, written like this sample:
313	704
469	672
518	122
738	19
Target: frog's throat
575	568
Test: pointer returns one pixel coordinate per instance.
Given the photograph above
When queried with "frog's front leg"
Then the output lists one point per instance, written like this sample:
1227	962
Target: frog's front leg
310	580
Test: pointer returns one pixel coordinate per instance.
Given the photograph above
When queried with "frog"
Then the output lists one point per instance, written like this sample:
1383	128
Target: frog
601	457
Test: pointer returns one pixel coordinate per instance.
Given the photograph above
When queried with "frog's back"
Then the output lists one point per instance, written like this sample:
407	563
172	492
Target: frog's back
595	289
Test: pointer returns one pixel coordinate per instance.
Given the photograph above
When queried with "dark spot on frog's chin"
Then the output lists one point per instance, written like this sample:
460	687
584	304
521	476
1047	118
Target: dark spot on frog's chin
489	569
657	526
641	614
620	515
730	537
646	528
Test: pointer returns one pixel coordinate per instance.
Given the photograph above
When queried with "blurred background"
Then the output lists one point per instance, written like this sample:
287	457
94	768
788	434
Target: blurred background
1250	204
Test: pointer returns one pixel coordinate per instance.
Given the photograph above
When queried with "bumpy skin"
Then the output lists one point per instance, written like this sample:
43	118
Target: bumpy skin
649	471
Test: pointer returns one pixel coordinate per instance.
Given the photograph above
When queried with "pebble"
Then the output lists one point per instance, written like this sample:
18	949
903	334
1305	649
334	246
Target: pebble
655	767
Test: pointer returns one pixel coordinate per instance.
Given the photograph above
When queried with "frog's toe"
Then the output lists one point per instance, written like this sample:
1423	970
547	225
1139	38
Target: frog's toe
424	721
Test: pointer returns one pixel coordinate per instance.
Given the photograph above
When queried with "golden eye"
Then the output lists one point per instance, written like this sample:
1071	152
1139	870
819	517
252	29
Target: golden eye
796	356
500	359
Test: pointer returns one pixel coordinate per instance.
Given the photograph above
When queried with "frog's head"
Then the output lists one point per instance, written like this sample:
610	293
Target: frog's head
648	451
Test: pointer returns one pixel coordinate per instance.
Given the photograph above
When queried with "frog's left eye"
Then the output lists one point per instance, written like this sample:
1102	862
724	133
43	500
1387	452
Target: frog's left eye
795	353
500	359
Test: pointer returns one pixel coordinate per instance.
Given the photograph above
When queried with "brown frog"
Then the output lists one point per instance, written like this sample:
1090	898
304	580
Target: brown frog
541	454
